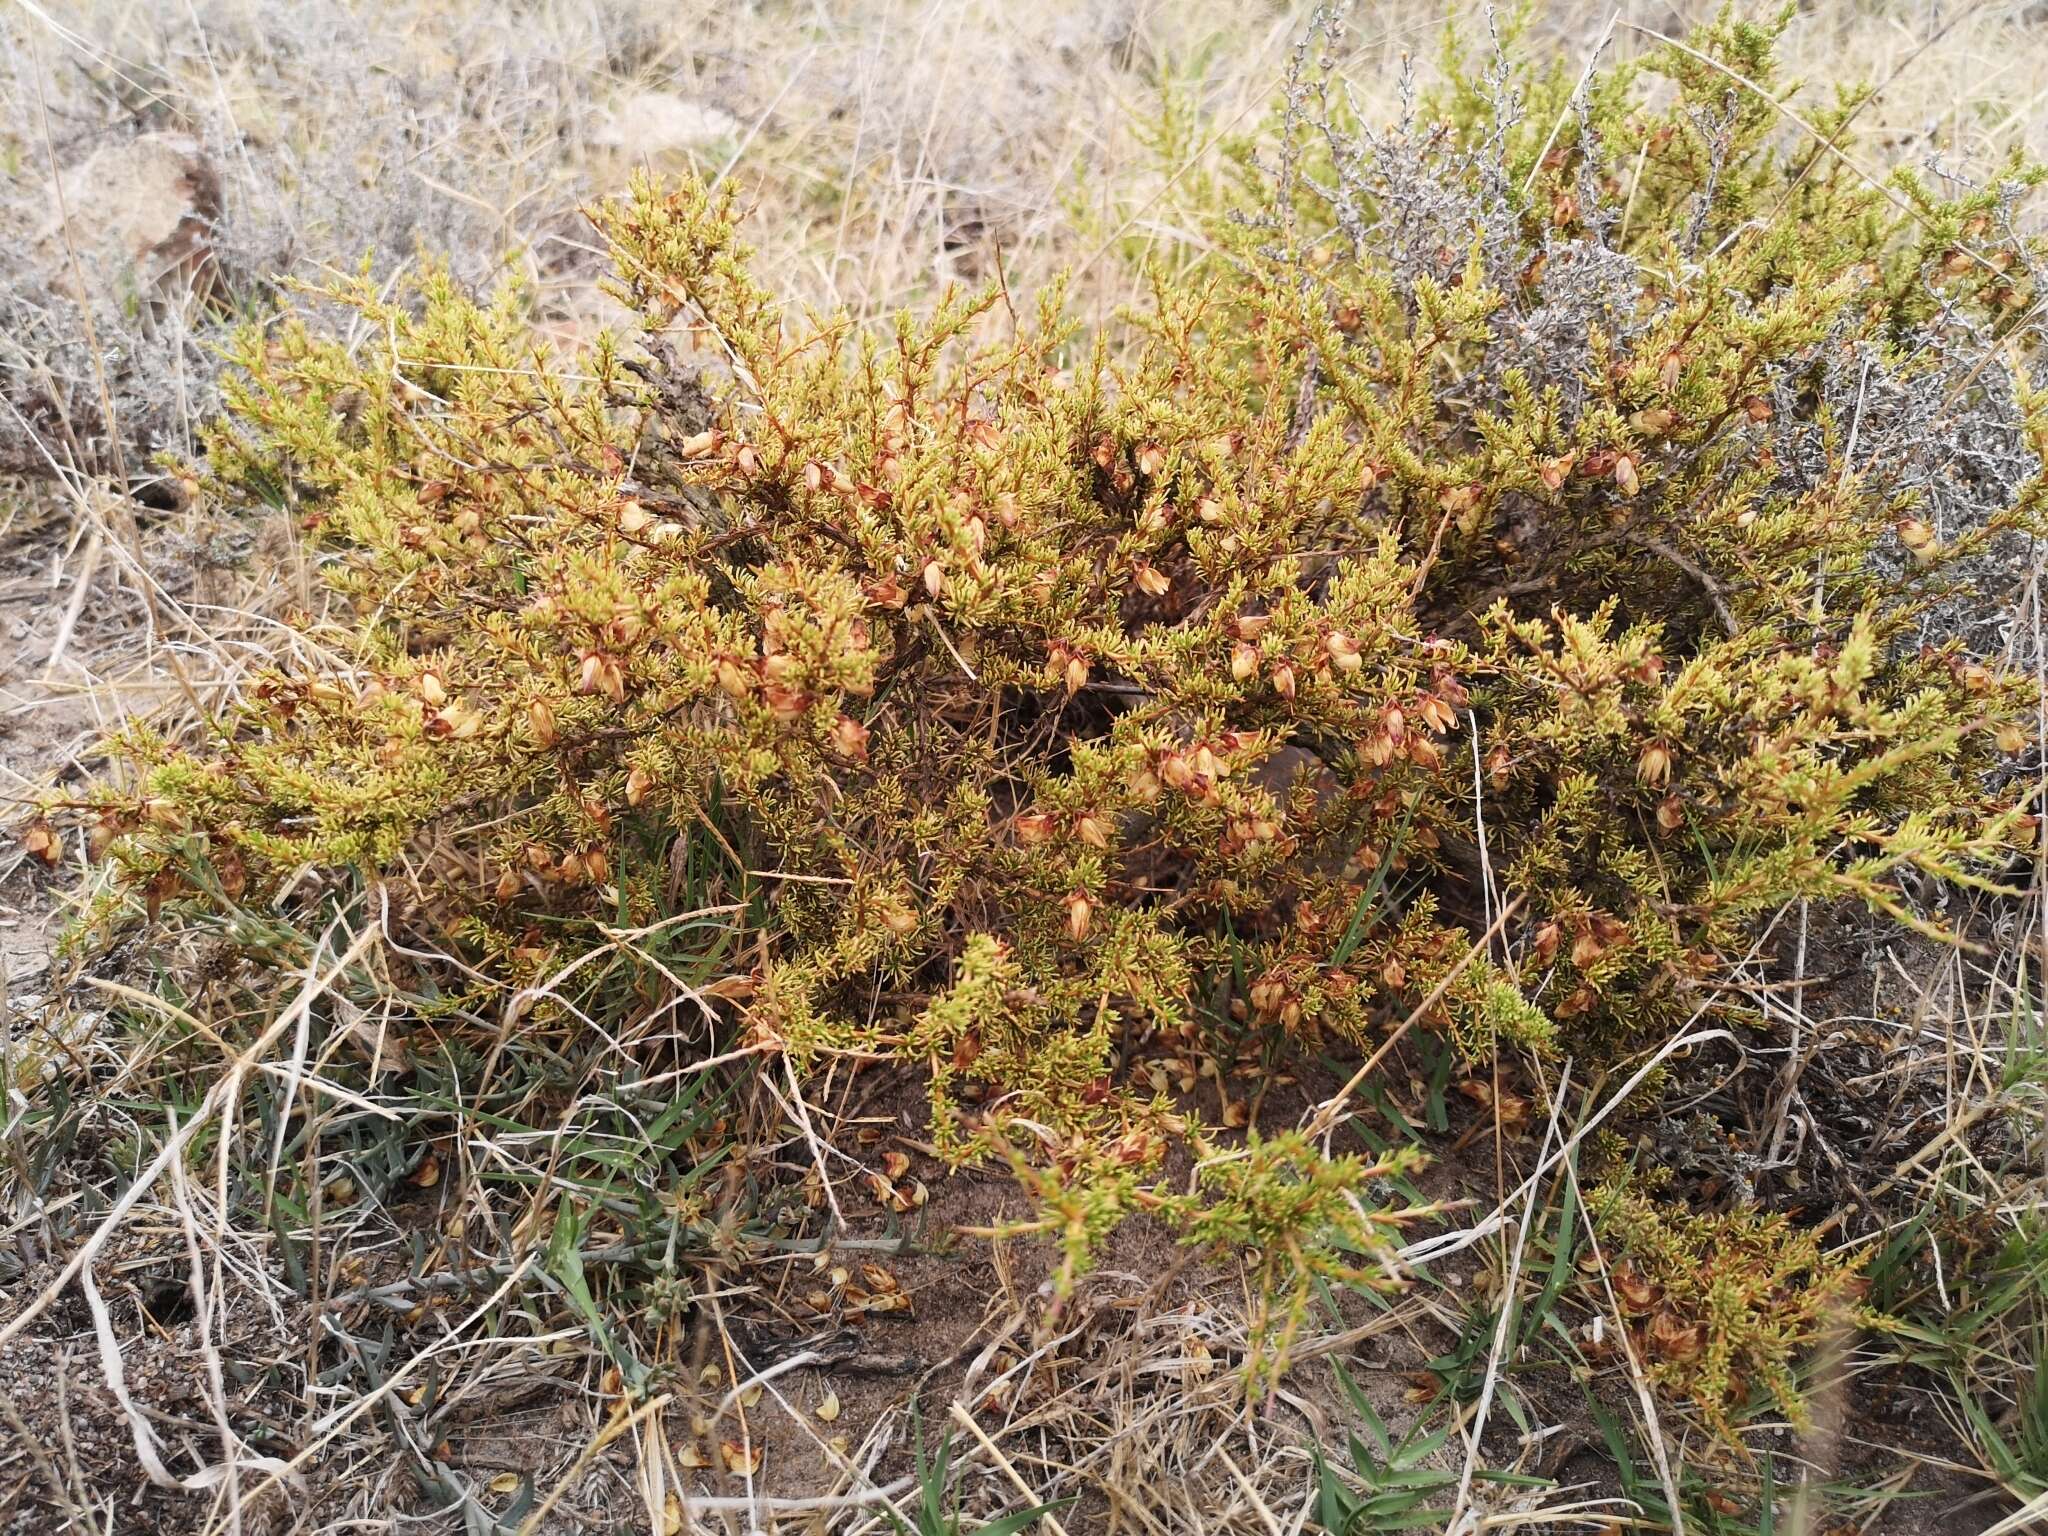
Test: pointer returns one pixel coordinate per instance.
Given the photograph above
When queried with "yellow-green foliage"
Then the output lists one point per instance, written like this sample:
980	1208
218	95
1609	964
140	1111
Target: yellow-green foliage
1291	1209
1496	466
1722	1306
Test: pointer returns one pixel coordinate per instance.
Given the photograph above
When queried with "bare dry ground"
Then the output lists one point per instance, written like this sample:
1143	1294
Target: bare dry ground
396	1370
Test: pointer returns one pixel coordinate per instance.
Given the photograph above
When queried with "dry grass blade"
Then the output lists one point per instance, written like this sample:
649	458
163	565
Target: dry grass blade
224	1093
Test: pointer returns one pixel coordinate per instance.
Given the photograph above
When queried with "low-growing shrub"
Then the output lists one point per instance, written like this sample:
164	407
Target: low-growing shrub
1721	1307
1555	500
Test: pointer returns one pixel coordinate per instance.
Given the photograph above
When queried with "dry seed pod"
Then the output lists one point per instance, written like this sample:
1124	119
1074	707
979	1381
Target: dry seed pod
106	826
458	722
1032	828
601	673
1671	1339
1653	767
1582	1000
541	718
736	681
1080	910
1637	1294
787	704
1587	950
43	842
742	1459
850	739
